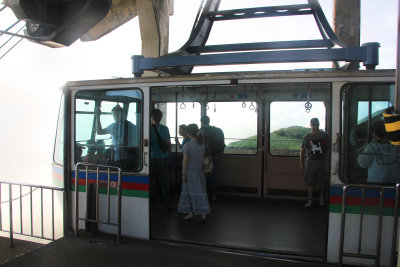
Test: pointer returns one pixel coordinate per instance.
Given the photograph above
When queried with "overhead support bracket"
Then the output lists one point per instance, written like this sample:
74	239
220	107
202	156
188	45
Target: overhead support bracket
368	54
195	52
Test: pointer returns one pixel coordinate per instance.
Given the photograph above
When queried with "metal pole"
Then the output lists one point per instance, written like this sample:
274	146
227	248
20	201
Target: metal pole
1	222
31	210
342	226
41	210
87	190
52	212
97	193
379	231
20	209
76	198
397	93
108	195
11	220
119	206
395	223
361	222
176	143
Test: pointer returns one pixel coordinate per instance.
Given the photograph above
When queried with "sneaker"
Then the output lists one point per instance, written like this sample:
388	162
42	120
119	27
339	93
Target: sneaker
308	204
322	202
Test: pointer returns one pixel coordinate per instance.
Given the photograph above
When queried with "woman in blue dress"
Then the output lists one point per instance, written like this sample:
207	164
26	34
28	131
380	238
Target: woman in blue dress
193	200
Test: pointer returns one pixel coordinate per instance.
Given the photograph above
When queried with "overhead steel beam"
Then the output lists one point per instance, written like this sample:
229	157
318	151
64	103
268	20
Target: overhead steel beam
368	54
261	46
192	52
261	12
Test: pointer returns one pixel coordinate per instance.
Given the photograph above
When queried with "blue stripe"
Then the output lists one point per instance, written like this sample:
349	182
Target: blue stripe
357	192
58	169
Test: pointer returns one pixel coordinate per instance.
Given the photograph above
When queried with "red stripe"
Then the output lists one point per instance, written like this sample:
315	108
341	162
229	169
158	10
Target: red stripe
58	176
356	201
125	185
335	200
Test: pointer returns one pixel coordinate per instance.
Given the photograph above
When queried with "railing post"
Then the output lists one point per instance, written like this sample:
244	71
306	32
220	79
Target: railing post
379	231
119	206
76	199
395	225
52	213
342	227
20	209
41	211
21	221
96	218
11	220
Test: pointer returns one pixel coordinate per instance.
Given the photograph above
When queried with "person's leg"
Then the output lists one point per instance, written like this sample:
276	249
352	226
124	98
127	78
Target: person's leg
213	178
310	192
309	180
164	181
153	180
323	185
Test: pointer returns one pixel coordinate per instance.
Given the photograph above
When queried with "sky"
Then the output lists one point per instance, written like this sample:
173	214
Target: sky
31	75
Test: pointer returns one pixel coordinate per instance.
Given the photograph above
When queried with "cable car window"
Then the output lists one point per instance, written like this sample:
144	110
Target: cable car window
108	128
289	123
366	155
238	121
188	112
59	145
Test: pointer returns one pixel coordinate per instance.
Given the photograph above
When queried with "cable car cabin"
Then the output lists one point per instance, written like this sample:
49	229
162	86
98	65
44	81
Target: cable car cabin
260	188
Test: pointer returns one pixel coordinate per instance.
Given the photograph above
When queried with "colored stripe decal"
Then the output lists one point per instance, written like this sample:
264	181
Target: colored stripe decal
132	186
113	178
354	197
357	201
113	185
113	191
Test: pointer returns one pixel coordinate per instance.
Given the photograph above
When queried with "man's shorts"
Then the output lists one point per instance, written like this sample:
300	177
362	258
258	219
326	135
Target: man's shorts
315	175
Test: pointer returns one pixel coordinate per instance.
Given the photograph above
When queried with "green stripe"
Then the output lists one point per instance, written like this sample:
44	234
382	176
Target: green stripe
113	191
337	208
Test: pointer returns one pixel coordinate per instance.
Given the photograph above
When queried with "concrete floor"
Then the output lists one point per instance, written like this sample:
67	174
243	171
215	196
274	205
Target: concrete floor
20	247
103	251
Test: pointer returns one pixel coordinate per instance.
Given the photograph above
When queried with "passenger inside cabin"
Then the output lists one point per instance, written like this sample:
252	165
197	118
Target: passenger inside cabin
124	137
380	157
78	152
91	152
183	132
314	159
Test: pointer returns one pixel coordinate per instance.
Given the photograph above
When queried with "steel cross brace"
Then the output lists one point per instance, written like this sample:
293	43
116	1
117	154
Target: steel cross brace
368	54
190	54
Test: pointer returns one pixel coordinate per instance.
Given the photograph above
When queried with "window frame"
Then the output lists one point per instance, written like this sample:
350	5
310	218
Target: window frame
342	173
59	143
172	138
140	107
269	127
257	151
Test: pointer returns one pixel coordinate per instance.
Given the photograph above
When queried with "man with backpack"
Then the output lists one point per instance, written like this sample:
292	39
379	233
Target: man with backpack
215	145
160	146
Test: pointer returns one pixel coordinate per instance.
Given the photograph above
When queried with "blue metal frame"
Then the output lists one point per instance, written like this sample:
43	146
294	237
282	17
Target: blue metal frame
189	55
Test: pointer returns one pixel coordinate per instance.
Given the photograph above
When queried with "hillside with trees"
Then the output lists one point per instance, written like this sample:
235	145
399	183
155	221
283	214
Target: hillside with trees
285	141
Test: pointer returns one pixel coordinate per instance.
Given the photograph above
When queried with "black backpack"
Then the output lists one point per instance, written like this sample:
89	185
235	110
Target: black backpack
215	140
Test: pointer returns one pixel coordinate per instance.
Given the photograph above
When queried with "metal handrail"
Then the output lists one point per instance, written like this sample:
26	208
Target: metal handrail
119	193
32	188
376	257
